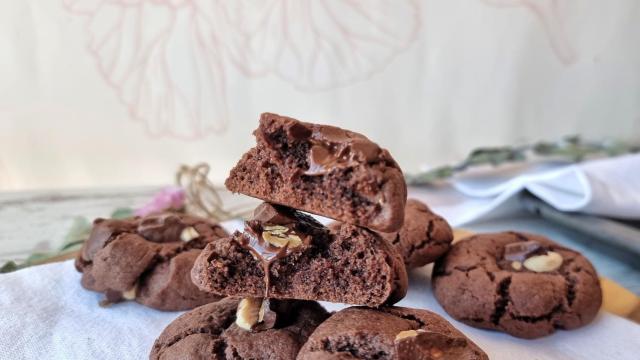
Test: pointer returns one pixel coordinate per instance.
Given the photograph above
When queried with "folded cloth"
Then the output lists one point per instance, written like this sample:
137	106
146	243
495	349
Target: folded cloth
608	187
46	314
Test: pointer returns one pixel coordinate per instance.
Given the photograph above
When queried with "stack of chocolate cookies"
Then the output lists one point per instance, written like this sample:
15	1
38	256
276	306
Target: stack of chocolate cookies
255	292
274	272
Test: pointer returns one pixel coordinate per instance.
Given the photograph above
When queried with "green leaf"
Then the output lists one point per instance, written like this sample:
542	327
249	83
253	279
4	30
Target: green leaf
8	267
37	257
122	213
73	245
570	148
78	233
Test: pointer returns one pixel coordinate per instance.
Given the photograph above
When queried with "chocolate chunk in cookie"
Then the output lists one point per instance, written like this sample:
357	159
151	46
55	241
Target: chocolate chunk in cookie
212	332
424	237
324	170
522	284
285	254
388	333
147	259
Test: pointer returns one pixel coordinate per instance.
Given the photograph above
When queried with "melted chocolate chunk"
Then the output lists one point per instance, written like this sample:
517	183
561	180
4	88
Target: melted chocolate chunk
273	214
333	147
291	228
520	251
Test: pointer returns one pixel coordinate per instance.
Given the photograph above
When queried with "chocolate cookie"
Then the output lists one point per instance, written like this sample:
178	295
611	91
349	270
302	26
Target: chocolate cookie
324	170
214	331
148	260
522	284
424	237
388	333
285	254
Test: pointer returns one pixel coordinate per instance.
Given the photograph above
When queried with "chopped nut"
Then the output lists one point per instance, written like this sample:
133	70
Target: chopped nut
435	353
263	308
276	235
131	293
276	229
407	334
266	316
517	265
248	313
542	263
189	233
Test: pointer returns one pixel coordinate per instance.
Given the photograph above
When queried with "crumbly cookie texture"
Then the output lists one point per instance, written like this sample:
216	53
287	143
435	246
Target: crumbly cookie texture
388	333
212	332
285	254
147	260
324	170
522	284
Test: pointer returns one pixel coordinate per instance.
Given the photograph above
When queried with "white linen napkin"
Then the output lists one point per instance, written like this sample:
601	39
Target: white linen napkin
609	187
46	314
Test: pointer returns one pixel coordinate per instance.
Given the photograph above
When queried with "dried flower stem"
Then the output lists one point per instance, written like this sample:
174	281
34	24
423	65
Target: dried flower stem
202	198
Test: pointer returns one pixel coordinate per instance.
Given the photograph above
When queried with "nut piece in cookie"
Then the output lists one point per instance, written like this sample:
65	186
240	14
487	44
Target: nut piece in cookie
255	313
147	260
285	254
212	332
323	170
388	333
522	284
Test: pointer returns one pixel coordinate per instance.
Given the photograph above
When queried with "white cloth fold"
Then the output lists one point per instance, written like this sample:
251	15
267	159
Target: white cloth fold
46	314
608	187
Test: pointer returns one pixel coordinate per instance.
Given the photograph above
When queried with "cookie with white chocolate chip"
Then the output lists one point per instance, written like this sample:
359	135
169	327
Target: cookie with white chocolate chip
147	259
522	284
393	333
285	254
231	329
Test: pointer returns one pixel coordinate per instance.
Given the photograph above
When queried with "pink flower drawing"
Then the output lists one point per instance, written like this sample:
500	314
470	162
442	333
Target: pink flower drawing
167	59
549	13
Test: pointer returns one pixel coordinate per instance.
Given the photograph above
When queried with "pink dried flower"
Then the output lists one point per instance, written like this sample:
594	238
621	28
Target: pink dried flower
169	198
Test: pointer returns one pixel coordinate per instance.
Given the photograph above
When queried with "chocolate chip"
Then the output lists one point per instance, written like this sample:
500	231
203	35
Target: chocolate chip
271	214
520	251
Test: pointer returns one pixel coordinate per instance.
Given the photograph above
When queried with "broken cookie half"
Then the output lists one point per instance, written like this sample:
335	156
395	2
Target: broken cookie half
323	170
285	254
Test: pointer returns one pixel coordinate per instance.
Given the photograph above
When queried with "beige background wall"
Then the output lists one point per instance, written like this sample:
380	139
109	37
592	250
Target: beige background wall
108	93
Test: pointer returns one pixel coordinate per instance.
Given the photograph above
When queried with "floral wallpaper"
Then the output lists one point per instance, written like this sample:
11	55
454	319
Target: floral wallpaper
98	93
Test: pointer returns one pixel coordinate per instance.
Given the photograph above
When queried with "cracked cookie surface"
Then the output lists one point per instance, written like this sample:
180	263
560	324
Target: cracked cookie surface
523	284
147	259
424	236
388	333
210	332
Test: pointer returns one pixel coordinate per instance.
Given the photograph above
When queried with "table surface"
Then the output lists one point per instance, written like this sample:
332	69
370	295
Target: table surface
38	221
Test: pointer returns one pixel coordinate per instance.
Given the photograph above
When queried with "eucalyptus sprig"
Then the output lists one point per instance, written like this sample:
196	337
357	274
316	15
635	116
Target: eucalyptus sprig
570	149
77	235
